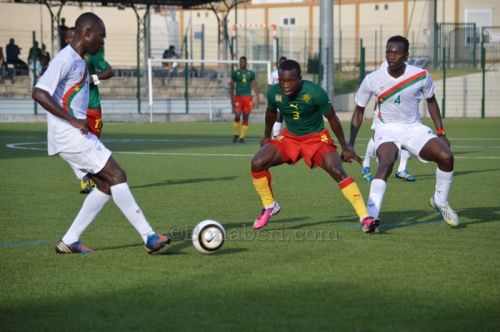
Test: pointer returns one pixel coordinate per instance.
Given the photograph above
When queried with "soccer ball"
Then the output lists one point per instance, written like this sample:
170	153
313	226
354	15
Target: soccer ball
208	236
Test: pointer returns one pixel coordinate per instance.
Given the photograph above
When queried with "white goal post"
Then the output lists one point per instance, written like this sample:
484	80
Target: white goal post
152	62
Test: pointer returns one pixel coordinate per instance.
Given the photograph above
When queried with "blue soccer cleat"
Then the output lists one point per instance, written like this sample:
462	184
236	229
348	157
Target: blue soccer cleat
155	242
74	248
405	175
366	173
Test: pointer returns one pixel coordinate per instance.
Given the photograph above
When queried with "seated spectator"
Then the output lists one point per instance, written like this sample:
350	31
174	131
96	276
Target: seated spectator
170	54
44	58
12	54
31	51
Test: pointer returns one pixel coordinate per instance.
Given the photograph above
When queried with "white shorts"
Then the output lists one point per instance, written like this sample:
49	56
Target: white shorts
411	137
87	155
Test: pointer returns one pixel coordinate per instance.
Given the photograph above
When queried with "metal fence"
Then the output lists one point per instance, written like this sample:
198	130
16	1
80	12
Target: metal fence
465	71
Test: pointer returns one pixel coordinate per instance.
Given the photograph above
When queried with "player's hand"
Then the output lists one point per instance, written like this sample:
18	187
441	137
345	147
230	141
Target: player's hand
257	101
349	154
81	124
264	139
446	141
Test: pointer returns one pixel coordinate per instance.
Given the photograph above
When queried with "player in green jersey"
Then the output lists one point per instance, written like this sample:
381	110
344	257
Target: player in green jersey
99	69
242	80
304	105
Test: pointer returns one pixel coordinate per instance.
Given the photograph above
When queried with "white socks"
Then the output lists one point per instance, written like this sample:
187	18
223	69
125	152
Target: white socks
125	201
443	185
370	151
377	191
92	205
404	155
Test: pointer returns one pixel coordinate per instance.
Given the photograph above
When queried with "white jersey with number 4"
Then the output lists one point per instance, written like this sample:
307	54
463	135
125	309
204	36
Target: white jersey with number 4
66	80
397	98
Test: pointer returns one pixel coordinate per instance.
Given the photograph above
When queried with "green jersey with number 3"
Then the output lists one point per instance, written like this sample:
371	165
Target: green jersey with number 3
303	113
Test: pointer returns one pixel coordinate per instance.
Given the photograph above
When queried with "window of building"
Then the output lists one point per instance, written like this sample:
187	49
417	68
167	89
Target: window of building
482	17
289	21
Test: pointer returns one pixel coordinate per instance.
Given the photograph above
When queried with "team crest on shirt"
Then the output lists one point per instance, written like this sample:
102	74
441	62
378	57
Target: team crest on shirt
86	58
278	98
306	98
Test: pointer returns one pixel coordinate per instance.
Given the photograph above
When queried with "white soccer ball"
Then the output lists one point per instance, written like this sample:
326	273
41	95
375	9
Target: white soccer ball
208	236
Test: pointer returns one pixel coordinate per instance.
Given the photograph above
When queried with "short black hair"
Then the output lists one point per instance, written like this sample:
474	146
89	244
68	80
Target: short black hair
289	65
243	57
400	39
283	58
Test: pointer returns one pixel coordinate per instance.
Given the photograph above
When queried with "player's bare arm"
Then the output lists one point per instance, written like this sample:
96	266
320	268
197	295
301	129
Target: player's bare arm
269	120
256	90
47	102
435	113
231	91
356	121
106	74
347	151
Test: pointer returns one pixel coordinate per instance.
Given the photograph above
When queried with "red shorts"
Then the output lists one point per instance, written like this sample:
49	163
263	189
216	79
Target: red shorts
311	147
94	119
243	103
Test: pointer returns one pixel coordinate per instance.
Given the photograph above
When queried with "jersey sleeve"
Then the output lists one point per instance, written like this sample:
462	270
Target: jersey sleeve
271	99
100	63
364	93
428	88
233	75
56	72
322	101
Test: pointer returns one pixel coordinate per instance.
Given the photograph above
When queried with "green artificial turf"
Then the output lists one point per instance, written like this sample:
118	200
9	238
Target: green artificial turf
311	268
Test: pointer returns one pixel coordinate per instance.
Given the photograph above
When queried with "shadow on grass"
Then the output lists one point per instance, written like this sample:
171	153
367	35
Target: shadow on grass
186	181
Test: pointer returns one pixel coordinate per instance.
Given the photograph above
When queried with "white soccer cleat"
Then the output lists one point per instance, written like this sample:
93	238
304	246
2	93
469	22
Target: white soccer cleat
449	215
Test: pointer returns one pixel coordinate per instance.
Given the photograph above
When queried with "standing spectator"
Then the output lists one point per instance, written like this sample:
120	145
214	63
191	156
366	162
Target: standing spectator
62	33
12	53
44	58
241	99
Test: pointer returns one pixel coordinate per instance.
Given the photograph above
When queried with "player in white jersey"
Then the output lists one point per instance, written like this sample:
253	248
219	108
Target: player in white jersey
402	172
63	91
398	90
274	79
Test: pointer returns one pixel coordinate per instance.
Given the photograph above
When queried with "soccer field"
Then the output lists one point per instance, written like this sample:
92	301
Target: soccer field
311	268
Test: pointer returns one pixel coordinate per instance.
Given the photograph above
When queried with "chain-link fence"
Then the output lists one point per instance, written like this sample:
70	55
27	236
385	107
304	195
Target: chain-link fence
465	88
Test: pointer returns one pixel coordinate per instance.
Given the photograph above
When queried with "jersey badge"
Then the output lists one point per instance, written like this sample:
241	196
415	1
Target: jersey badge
278	98
306	98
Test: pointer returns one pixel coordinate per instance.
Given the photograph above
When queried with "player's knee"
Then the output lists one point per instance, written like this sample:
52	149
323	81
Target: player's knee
446	158
258	164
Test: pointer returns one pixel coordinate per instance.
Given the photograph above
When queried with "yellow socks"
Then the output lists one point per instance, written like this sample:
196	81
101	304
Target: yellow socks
262	184
236	126
351	192
244	129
